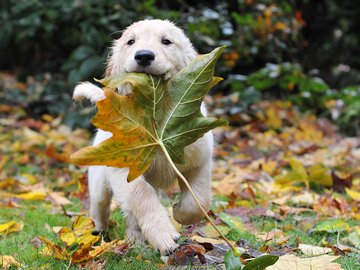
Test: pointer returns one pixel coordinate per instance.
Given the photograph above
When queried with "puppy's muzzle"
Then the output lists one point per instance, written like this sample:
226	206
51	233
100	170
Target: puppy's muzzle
144	57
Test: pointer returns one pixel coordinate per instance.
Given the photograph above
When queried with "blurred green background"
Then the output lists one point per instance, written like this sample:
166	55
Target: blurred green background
307	52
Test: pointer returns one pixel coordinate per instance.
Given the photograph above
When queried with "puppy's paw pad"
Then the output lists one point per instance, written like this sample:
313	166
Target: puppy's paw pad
96	232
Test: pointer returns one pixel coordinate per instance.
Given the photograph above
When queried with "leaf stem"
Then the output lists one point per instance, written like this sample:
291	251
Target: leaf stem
194	196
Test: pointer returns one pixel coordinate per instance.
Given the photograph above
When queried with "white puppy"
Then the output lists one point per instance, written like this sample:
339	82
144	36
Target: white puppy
160	48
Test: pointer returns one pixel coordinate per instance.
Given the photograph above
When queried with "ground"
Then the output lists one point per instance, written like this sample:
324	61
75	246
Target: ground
284	183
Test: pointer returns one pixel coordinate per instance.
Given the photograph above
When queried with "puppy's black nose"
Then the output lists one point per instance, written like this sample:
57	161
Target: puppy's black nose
144	57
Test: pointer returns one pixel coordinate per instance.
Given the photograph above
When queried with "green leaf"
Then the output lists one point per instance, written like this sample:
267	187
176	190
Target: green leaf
90	66
332	226
261	262
81	53
233	222
158	114
232	262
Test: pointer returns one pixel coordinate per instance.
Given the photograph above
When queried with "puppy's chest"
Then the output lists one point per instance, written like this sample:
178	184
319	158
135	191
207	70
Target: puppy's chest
160	174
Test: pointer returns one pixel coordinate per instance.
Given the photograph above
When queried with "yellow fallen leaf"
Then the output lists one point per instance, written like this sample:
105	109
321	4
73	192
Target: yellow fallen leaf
310	250
34	136
300	170
67	236
82	242
4	184
272	118
11	226
27	179
355	195
32	196
7	261
291	262
269	166
104	247
320	175
79	233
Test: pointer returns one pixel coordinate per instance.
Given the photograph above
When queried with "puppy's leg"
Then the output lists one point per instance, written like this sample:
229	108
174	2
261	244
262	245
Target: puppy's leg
133	231
139	201
186	211
100	197
89	91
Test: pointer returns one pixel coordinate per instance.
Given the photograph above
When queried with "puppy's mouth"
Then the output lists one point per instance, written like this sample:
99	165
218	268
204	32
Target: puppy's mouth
163	70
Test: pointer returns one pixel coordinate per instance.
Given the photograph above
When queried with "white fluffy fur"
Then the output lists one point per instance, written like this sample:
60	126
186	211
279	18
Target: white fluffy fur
147	219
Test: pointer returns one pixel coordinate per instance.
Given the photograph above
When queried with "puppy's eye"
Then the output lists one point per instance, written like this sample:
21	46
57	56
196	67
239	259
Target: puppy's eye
130	42
166	41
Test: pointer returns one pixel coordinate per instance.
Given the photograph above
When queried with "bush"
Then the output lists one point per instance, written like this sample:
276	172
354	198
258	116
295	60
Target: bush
307	91
68	40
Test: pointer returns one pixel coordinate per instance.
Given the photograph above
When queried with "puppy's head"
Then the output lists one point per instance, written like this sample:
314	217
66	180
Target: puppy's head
155	47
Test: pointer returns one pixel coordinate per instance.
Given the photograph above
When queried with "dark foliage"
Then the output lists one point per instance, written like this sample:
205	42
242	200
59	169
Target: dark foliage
68	42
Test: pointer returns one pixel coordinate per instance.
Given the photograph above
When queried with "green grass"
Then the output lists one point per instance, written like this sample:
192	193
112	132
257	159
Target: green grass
290	226
37	219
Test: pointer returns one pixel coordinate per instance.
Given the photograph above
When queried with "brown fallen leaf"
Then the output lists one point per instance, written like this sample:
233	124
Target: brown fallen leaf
291	262
185	254
277	236
94	265
288	210
200	239
11	226
57	198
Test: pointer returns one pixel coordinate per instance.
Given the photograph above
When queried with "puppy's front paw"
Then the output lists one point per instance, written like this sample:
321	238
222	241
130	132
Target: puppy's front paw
89	91
162	237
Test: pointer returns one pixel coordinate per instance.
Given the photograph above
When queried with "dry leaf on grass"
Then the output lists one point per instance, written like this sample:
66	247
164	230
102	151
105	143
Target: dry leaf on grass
202	240
185	254
11	226
58	198
310	250
291	262
7	261
32	196
79	243
80	232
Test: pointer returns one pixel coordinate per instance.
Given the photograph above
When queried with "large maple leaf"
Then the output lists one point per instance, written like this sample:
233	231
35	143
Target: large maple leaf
157	114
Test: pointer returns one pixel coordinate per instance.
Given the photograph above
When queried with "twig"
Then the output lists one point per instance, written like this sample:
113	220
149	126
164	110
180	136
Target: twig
64	211
234	249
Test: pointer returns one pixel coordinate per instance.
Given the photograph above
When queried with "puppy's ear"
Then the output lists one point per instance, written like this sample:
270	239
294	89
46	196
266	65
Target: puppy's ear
114	63
189	51
190	54
110	63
